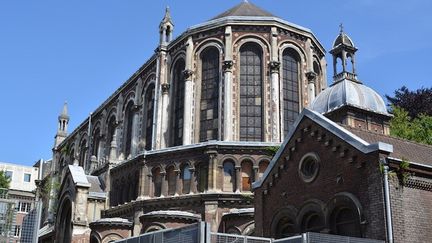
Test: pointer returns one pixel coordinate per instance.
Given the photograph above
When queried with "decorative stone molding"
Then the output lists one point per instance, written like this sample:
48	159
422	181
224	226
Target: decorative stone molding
274	66
187	74
165	88
227	65
311	76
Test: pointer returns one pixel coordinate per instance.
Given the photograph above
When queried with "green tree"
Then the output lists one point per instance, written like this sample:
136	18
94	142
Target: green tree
416	129
4	180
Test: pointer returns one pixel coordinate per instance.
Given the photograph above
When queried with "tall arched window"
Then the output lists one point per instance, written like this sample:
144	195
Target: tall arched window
171	179
186	178
209	105
251	84
110	133
344	221
290	84
149	108
179	92
247	175
96	143
229	177
83	152
129	115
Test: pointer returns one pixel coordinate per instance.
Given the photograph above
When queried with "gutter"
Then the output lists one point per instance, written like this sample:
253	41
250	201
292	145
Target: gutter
389	223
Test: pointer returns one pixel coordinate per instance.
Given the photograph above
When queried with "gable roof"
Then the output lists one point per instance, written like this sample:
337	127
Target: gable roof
403	149
336	129
245	9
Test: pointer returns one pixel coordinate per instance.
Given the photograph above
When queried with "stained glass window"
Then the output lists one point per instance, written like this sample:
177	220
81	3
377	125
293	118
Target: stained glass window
149	108
179	86
290	69
251	77
209	106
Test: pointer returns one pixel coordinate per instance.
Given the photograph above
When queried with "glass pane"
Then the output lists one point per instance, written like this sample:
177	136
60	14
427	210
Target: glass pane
290	74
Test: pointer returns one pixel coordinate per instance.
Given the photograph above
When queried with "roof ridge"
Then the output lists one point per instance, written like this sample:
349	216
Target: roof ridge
387	136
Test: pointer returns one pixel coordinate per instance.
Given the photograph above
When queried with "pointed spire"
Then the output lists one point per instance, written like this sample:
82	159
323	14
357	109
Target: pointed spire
167	16
64	113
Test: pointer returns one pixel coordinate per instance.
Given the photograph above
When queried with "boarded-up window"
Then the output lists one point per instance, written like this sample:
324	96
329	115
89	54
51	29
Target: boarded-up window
186	178
262	168
157	182
247	175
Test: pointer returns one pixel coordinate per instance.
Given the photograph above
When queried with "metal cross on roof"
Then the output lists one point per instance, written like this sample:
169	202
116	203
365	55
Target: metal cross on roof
341	28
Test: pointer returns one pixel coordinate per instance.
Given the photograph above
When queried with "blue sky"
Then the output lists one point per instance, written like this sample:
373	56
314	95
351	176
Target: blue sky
81	51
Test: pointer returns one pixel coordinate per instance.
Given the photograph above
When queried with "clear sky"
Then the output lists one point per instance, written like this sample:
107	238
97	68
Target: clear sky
81	51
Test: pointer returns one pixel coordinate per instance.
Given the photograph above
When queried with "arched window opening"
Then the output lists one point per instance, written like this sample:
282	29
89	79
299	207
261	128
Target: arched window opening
285	228
290	87
312	222
339	65
83	153
72	155
178	106
349	64
124	191
149	110
110	133
157	182
202	177
229	177
186	178
171	179
209	105
251	93
344	221
247	175
96	143
262	168
128	129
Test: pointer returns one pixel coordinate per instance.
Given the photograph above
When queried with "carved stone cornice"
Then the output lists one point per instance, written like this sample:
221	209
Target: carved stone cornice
274	66
227	65
187	74
165	88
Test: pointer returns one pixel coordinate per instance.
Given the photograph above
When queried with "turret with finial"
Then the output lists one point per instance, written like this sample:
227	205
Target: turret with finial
166	28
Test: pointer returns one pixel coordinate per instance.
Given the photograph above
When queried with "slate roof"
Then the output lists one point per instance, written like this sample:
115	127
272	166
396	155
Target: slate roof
402	149
245	9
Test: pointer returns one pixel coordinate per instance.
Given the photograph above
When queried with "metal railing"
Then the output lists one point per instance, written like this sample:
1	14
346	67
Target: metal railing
227	238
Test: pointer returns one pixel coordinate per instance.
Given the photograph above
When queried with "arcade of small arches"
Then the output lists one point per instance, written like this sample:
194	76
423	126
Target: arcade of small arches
342	215
188	178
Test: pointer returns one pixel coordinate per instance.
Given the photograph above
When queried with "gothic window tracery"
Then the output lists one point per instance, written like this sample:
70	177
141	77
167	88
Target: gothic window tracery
209	104
290	87
178	106
129	114
149	111
251	85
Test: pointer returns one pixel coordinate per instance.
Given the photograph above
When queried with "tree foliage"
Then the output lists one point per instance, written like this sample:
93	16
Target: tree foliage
4	180
417	129
414	102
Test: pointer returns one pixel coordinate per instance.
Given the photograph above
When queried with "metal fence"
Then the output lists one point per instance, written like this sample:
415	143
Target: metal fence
189	234
227	238
200	233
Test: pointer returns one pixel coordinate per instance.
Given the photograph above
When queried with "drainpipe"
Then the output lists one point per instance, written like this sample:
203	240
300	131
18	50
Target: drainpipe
389	223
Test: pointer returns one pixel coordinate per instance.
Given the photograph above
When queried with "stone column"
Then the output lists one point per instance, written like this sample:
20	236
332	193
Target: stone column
161	106
178	189
135	129
165	119
275	90
211	215
212	175
227	69
238	179
256	173
142	181
164	184
188	96
193	184
311	76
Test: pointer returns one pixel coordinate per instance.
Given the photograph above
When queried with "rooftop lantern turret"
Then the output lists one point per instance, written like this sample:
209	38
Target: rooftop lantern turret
344	51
